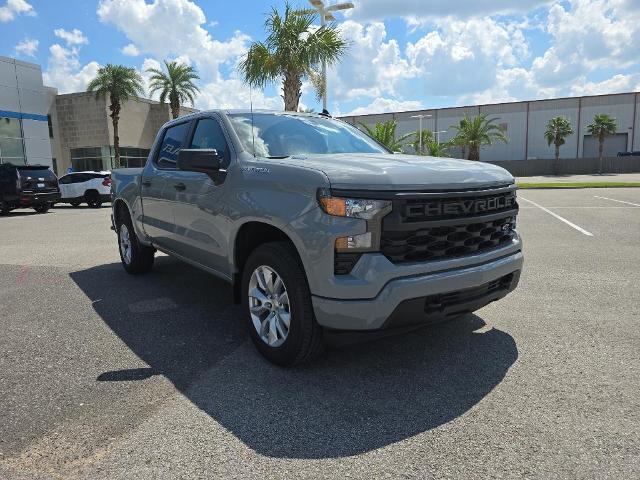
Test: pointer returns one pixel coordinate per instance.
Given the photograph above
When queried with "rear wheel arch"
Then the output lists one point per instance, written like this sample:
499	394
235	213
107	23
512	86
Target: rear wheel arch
249	237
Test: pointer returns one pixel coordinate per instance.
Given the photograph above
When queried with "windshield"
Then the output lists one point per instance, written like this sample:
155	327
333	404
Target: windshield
282	135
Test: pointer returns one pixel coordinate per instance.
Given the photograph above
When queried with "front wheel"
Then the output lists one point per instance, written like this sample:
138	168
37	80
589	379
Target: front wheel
278	306
4	208
135	257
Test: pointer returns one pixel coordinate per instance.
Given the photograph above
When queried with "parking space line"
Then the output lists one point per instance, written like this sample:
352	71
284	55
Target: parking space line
562	219
619	201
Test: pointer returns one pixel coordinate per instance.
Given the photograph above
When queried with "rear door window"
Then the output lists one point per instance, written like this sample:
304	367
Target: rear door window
171	144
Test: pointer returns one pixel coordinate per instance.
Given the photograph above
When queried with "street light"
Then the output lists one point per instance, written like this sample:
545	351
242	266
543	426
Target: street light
326	15
420	130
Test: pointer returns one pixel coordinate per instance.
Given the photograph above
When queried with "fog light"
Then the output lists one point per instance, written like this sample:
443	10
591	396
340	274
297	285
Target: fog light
354	242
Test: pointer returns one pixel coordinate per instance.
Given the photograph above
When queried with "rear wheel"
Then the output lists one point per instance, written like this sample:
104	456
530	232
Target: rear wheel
4	208
43	208
75	204
93	199
278	306
136	258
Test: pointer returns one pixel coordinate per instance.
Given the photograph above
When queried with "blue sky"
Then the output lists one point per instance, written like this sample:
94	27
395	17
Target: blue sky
404	54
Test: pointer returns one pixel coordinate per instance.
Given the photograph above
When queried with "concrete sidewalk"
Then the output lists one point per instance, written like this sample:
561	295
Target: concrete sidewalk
605	177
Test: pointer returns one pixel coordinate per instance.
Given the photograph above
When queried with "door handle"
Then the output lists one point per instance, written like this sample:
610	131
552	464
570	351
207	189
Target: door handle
179	186
146	183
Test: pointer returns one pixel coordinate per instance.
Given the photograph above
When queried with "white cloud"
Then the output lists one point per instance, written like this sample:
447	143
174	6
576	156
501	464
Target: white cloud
617	84
73	38
28	47
382	105
140	22
373	65
233	93
15	7
130	50
462	57
65	72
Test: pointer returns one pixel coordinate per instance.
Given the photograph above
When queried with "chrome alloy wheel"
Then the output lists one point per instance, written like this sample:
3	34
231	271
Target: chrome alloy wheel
269	306
125	244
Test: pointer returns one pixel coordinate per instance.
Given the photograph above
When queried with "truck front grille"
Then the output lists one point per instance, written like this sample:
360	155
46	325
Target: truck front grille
449	225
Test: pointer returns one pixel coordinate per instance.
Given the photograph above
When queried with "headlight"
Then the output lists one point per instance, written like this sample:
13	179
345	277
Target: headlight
365	209
352	207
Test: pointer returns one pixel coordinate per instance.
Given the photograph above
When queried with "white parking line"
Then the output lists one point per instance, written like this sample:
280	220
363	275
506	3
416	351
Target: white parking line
619	201
562	219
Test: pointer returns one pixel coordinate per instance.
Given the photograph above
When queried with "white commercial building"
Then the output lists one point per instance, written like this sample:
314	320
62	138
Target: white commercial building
25	126
524	124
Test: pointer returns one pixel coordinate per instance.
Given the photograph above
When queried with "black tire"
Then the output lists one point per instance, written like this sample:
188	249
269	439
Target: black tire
304	340
4	208
93	199
75	204
43	208
142	256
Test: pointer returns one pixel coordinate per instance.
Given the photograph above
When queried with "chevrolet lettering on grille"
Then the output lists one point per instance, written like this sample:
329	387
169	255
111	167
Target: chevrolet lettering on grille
460	207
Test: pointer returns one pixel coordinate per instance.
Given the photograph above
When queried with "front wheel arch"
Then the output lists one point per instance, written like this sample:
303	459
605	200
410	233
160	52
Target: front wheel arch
249	237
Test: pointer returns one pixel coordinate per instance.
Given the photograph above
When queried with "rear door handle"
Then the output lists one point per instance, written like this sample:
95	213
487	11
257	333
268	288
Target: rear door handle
179	186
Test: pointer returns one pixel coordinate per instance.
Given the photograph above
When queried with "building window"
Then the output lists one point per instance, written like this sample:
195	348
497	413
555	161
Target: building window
87	158
131	157
50	126
11	142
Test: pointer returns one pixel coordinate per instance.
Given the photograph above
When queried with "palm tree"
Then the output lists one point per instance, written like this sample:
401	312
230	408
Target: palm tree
385	134
177	84
603	125
430	146
558	129
293	50
476	133
120	83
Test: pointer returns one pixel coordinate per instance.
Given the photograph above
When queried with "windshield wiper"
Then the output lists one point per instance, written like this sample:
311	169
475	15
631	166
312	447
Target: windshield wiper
278	157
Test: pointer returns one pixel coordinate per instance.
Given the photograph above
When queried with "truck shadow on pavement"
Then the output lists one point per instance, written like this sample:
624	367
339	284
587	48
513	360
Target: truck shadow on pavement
183	324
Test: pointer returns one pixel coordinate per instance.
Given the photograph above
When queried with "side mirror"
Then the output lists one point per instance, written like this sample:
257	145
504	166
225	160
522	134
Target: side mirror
200	160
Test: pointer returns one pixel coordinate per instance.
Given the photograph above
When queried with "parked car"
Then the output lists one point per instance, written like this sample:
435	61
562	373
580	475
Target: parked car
92	188
319	228
629	154
27	186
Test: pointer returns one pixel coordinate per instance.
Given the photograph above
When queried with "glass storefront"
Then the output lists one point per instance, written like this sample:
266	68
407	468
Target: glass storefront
102	158
11	143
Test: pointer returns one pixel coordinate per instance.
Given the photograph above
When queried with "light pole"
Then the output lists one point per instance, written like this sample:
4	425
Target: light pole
326	15
420	130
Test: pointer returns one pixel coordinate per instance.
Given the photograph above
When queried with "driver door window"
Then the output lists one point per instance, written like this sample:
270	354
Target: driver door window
209	134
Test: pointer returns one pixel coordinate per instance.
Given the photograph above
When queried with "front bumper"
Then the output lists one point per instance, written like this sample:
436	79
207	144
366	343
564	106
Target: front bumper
414	299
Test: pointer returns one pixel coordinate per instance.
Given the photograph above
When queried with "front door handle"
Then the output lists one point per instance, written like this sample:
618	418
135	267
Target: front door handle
179	186
146	183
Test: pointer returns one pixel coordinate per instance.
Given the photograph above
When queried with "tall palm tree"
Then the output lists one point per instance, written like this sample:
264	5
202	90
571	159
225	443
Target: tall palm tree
430	146
385	134
177	85
292	51
603	125
558	129
120	83
477	132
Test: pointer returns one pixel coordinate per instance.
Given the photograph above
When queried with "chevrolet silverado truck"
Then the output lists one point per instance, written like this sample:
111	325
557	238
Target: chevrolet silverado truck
317	227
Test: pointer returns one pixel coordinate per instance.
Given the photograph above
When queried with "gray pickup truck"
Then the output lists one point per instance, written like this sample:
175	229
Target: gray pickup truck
317	227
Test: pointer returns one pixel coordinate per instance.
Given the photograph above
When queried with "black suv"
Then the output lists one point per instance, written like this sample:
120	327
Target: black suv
27	186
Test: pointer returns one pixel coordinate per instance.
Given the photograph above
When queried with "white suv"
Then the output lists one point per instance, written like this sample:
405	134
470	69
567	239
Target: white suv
92	188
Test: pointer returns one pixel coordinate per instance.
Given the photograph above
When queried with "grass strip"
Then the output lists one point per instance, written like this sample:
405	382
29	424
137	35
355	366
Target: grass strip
578	184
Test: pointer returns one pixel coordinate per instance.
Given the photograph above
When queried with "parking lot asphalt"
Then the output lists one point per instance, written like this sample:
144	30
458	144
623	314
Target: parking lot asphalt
106	375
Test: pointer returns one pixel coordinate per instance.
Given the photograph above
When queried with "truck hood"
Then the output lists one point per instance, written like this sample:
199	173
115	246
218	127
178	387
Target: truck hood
402	172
